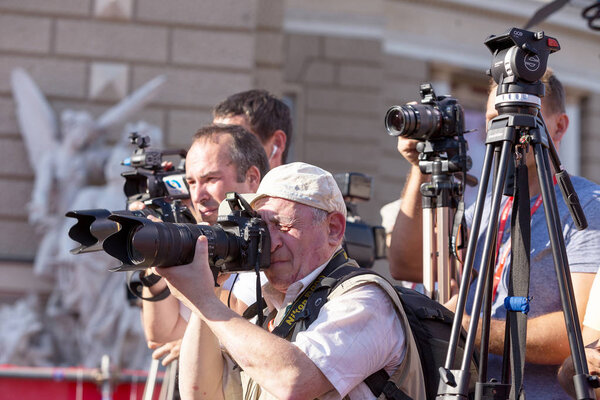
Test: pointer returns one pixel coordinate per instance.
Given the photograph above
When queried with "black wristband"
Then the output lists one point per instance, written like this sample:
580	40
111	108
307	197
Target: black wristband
149	280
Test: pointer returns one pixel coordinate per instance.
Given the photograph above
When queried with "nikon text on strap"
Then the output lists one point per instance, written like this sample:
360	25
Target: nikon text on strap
298	310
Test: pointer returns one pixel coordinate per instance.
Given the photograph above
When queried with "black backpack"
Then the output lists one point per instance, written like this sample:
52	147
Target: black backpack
430	323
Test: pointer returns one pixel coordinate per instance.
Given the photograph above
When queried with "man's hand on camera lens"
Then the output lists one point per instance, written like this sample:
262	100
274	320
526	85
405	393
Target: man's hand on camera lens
192	283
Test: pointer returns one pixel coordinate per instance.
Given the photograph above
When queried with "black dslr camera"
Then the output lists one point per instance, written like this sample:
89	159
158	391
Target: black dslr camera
363	243
436	117
239	241
161	190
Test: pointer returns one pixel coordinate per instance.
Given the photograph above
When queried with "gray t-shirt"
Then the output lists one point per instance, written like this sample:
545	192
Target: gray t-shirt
583	253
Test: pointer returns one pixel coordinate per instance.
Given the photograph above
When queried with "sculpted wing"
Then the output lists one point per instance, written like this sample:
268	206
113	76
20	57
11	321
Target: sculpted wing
131	104
37	121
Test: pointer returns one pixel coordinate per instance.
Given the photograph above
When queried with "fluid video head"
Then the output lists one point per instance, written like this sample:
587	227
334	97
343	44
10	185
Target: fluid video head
520	54
436	117
519	62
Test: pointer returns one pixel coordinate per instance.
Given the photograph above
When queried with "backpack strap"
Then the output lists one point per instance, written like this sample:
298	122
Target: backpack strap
379	382
299	309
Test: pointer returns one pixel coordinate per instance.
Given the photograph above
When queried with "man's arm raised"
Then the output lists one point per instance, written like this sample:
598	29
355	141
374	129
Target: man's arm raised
405	253
277	365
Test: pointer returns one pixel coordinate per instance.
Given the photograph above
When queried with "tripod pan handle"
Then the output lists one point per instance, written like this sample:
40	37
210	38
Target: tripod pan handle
571	199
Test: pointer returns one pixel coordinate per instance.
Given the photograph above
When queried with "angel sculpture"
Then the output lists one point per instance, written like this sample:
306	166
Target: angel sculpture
87	298
65	159
86	315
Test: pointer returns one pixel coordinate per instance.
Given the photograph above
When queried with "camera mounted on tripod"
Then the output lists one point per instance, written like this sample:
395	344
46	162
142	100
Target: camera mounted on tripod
436	117
439	126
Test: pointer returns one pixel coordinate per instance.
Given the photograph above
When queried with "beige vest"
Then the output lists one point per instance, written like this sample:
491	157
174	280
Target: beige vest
408	377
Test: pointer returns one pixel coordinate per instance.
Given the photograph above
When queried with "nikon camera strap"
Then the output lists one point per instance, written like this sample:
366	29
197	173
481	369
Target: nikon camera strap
299	310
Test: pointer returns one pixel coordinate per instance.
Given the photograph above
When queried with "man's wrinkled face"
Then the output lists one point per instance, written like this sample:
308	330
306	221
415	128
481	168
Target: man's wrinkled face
298	242
210	174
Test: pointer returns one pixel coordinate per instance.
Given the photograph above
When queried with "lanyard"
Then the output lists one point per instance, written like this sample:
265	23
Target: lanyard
503	218
501	262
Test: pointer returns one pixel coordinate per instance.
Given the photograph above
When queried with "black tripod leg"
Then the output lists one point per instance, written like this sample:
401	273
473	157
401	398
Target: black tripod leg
559	254
448	386
487	295
485	320
468	265
488	249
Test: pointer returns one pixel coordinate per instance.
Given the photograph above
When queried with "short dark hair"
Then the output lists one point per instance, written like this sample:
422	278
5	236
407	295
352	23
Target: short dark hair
555	95
245	150
265	114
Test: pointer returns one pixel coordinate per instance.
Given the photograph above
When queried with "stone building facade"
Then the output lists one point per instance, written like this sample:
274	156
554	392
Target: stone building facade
339	63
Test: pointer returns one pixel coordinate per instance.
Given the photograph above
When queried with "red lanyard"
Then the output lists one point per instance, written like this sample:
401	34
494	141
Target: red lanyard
503	218
502	260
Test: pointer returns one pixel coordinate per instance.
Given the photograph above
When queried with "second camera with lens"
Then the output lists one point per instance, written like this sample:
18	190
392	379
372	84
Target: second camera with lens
436	117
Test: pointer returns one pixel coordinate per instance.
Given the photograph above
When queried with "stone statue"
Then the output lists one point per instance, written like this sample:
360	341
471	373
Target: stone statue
64	160
87	314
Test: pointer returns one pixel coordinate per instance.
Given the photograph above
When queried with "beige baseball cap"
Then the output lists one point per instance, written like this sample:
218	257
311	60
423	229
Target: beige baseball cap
303	183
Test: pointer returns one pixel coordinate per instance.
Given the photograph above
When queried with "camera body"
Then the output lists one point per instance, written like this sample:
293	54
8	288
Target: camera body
364	243
436	117
159	187
150	179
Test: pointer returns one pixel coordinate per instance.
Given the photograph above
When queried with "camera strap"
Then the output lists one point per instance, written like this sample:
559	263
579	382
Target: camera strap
299	309
502	258
518	287
135	286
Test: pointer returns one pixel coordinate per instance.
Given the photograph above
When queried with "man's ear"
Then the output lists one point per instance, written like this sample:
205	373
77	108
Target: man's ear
253	177
562	124
337	226
275	148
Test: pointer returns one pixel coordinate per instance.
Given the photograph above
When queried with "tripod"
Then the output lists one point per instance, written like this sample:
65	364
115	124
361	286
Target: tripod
519	63
440	199
504	134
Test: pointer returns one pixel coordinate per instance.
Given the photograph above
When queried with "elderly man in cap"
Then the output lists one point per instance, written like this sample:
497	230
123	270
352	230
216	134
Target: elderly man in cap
359	330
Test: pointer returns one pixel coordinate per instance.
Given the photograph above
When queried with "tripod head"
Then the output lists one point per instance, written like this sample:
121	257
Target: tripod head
442	158
519	61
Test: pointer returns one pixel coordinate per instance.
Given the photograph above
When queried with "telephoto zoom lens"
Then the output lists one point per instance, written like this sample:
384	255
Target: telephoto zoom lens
141	243
418	121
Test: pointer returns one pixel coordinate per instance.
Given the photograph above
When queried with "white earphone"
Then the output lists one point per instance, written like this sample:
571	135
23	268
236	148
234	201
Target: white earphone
275	148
